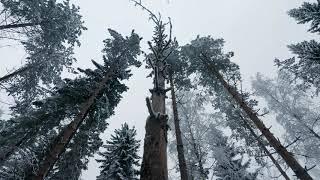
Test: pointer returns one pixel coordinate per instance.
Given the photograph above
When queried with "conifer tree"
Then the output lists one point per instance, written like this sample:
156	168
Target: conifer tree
178	80
207	58
48	31
83	146
46	123
307	65
120	160
295	110
194	123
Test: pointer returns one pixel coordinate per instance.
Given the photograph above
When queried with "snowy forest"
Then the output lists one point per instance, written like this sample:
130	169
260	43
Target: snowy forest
159	90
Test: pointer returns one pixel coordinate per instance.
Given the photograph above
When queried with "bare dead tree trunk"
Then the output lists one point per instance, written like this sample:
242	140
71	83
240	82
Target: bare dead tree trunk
154	162
274	161
8	76
67	134
180	150
22	25
274	142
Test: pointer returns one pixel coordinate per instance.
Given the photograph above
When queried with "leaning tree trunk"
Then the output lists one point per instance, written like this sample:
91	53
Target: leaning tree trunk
274	161
21	70
154	162
60	143
22	25
180	150
281	150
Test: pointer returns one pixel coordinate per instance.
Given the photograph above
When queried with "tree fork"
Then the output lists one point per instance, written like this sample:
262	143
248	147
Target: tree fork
180	150
282	151
67	134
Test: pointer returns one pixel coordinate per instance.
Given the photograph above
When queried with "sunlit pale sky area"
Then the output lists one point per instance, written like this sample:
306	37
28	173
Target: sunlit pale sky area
257	31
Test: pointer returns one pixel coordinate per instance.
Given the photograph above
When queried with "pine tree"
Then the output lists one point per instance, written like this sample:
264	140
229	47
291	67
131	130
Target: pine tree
41	128
120	160
307	65
308	12
178	80
84	145
207	58
295	111
49	30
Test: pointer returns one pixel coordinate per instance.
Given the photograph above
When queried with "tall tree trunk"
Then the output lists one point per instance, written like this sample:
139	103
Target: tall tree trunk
22	25
154	162
21	70
180	150
281	150
60	143
274	161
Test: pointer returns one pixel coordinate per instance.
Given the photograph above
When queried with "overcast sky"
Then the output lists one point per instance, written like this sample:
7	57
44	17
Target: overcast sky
257	31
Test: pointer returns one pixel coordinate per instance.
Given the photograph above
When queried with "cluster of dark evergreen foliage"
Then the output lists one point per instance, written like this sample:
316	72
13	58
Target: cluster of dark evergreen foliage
55	123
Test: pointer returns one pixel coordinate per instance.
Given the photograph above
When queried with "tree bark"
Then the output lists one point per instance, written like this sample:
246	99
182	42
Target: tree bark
22	25
154	162
281	150
283	173
180	150
67	134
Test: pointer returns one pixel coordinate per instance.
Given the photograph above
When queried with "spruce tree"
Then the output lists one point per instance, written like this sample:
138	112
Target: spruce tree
207	58
306	66
295	110
40	129
178	80
120	158
48	30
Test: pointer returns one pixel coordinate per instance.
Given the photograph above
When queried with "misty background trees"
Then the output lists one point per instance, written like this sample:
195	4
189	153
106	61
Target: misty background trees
214	127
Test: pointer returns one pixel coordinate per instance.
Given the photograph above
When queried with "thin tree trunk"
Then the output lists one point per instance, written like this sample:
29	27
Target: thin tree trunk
180	150
67	134
21	70
282	151
284	174
22	25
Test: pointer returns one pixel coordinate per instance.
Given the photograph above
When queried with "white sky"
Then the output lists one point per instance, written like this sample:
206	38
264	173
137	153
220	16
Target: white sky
257	31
